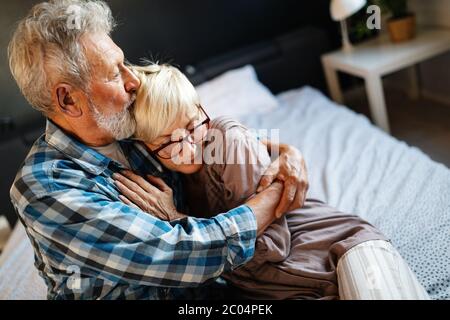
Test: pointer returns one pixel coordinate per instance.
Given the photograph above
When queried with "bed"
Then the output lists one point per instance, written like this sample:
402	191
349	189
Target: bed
357	168
352	165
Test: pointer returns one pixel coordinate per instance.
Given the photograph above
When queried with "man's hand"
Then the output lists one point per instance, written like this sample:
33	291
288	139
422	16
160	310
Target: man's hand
263	205
291	169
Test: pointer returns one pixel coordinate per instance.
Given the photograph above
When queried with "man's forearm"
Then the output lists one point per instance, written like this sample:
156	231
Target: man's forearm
264	204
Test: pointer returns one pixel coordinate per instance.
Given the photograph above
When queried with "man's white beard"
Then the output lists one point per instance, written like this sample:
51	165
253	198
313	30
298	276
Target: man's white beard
120	125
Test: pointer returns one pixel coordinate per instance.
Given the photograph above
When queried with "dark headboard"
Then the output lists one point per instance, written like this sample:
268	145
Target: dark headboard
288	61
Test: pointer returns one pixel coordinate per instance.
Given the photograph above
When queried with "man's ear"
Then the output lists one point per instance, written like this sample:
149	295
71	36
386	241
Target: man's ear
66	102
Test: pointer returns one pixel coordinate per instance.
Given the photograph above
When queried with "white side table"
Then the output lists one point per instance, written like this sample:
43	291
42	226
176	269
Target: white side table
376	58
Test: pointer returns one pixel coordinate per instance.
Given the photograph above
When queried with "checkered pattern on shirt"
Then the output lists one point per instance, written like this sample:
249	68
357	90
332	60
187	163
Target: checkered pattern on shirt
66	198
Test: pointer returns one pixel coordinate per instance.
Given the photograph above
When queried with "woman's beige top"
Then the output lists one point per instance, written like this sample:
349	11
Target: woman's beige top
296	257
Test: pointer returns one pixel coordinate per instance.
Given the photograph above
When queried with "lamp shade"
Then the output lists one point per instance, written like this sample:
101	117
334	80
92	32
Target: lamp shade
342	9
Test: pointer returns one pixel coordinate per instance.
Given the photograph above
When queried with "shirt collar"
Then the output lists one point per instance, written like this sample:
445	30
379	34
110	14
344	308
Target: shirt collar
87	158
94	162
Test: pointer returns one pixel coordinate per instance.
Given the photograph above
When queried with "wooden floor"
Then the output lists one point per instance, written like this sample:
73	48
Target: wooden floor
421	123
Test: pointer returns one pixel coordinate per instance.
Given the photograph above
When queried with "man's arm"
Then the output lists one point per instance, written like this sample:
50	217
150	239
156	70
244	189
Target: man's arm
114	241
264	204
157	199
290	168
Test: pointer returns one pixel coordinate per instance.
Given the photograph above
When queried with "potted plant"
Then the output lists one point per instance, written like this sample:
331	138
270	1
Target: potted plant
402	23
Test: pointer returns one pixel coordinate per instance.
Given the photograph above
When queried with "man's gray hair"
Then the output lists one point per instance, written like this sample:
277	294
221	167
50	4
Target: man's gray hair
45	47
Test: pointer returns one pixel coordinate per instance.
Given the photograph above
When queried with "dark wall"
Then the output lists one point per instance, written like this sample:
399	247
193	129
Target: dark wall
12	104
189	31
181	32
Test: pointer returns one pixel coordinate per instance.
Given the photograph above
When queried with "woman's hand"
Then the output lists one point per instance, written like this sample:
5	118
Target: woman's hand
290	168
153	196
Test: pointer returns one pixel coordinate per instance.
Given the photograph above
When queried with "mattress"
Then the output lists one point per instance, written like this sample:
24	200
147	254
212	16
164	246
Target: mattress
353	166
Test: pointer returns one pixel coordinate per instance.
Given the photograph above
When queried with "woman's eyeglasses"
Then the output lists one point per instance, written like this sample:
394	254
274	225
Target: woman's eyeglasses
193	136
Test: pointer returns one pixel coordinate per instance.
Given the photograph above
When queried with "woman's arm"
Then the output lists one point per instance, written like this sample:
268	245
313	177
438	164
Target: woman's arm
244	178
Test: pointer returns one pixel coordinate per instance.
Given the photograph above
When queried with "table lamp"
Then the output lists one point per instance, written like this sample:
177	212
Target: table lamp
341	10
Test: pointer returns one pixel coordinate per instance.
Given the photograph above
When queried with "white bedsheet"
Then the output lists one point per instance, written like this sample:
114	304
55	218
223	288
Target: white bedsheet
353	166
19	279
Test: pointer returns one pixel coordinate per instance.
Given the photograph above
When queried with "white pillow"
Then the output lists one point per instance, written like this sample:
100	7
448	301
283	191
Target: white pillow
235	93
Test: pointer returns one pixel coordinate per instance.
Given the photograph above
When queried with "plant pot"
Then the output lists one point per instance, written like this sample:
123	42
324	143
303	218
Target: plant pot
402	29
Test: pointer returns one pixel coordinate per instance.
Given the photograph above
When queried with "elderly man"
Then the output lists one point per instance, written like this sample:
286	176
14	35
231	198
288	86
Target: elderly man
88	244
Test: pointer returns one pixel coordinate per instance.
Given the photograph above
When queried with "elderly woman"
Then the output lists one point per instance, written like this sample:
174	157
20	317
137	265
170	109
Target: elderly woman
309	253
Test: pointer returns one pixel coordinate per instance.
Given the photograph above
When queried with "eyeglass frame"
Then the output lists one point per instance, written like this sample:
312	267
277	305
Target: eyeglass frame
164	145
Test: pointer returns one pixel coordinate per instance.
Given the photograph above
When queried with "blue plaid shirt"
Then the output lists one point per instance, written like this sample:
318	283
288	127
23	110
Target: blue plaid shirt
90	245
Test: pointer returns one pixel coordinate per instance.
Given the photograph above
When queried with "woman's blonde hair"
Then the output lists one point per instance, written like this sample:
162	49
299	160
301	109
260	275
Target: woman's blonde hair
163	96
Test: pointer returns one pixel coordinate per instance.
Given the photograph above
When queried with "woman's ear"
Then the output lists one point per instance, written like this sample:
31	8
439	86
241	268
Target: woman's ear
66	102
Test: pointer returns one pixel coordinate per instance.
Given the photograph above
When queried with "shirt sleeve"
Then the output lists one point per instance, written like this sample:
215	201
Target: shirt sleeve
111	240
